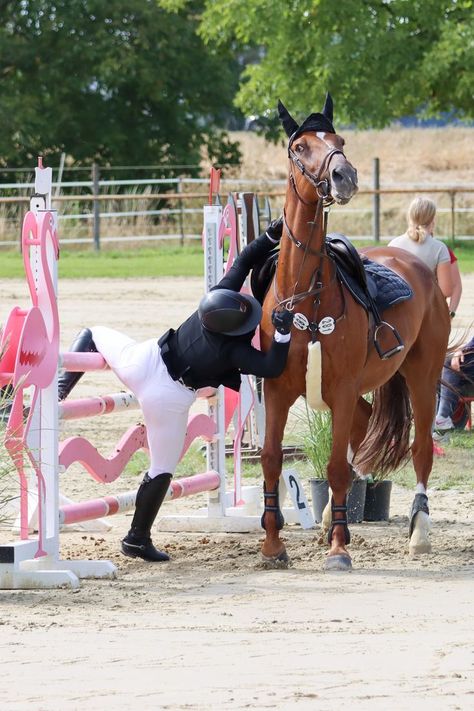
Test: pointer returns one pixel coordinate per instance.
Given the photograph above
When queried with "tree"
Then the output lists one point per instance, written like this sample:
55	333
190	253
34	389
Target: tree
380	59
123	81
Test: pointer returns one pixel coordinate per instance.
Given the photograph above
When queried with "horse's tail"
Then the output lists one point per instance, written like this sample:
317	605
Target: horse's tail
387	443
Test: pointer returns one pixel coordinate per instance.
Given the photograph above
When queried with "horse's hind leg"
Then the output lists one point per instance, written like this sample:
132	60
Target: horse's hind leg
277	406
422	388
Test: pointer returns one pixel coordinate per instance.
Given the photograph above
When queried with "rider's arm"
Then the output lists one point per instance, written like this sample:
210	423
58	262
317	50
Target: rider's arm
264	365
272	363
253	254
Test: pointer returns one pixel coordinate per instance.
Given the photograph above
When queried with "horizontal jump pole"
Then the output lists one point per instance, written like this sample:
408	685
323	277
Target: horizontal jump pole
110	505
105	404
93	406
82	362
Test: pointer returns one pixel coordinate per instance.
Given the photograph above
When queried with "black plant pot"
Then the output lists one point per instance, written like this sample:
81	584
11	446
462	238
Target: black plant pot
355	499
377	501
319	496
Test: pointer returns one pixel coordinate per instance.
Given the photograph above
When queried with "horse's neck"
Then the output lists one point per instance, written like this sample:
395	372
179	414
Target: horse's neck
297	265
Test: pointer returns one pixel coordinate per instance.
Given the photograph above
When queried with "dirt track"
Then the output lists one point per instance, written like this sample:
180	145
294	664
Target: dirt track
212	629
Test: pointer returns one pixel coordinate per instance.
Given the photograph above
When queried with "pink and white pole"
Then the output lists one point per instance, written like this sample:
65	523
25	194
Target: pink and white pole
110	505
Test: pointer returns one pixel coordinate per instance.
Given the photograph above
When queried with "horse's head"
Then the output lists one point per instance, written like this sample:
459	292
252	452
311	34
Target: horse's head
316	151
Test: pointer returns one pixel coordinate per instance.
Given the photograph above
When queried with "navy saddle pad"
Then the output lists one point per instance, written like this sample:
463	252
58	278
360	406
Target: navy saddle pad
370	283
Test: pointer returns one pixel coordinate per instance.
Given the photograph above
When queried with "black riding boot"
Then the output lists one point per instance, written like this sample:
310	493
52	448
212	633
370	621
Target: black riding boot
137	543
83	343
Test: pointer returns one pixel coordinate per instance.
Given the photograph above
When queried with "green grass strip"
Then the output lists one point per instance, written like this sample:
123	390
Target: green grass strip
165	260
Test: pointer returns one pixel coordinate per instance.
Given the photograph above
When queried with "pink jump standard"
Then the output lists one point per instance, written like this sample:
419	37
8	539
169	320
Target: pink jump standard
30	347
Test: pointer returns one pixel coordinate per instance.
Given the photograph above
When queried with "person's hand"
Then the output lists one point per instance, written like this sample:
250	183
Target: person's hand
456	360
275	229
282	320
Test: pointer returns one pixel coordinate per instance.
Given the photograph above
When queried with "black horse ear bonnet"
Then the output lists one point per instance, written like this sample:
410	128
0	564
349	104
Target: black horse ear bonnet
314	122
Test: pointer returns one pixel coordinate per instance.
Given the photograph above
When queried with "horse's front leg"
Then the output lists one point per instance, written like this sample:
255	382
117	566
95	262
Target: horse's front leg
276	415
339	478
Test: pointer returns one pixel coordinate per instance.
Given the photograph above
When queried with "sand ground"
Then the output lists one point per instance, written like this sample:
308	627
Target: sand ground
212	629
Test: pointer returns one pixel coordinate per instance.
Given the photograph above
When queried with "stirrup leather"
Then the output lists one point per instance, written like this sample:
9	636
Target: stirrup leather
339	522
280	521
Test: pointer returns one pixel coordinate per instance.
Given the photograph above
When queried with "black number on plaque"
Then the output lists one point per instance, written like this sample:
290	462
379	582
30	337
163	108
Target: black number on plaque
293	482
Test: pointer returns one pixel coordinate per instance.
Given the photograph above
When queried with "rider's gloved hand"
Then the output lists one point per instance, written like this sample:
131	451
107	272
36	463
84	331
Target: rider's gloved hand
282	320
274	230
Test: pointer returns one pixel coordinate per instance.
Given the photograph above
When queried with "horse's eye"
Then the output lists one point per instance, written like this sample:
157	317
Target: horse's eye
300	148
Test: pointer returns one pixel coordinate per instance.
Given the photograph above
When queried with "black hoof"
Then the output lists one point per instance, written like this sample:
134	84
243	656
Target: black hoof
340	563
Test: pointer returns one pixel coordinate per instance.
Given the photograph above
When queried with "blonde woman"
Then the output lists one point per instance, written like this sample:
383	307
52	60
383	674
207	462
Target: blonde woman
419	240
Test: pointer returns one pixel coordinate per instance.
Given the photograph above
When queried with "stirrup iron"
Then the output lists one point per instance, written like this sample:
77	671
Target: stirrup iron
385	355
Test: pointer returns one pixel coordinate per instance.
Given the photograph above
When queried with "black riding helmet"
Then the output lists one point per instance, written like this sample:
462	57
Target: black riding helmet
229	312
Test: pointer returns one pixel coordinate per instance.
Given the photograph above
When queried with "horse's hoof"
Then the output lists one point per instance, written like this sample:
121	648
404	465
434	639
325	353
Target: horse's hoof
419	548
420	543
338	562
276	561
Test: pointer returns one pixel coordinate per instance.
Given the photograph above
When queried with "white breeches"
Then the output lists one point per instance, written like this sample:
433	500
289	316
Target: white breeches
164	402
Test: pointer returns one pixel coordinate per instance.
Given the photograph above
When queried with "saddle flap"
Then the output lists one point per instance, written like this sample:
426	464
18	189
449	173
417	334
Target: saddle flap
262	275
346	256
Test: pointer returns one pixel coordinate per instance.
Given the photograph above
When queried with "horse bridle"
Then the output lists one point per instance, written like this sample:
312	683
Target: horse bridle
324	199
321	185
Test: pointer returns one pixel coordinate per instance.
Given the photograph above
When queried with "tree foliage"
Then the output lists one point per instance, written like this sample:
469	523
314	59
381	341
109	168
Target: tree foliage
380	59
122	81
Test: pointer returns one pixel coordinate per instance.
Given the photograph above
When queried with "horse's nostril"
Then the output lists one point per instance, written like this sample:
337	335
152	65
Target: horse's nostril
337	176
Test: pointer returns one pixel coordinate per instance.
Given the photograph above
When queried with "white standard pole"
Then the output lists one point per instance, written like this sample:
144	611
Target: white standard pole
213	270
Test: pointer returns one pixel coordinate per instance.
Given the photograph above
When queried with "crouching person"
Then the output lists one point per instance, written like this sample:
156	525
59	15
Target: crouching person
211	348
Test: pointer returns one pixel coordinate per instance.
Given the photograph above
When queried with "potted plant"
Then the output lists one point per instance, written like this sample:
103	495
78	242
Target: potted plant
317	445
377	498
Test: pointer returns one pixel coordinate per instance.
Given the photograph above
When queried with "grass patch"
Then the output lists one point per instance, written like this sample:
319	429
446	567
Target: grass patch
452	471
166	261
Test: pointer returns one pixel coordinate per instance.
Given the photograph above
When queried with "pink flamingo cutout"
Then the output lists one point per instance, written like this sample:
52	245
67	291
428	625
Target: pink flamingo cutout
30	346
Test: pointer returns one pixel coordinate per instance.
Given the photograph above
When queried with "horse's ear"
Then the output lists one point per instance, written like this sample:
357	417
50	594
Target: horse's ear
288	122
328	107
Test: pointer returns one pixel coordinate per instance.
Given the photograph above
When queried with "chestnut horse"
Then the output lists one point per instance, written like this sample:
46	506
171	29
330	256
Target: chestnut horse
373	437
